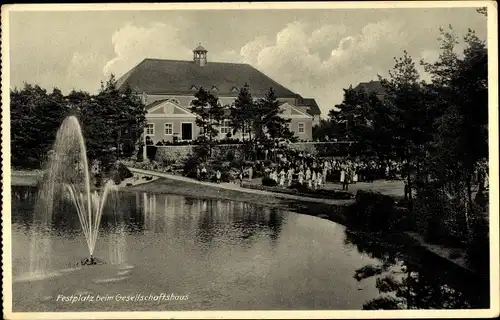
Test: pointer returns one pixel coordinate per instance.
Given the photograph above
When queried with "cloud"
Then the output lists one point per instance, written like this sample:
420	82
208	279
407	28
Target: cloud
227	56
82	68
317	57
132	44
295	57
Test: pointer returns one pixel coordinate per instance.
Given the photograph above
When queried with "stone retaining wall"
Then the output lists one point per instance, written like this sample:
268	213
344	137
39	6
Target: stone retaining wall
172	153
175	153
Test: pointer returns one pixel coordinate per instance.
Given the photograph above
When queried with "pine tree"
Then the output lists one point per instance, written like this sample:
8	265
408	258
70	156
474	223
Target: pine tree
403	97
268	123
243	113
35	119
209	113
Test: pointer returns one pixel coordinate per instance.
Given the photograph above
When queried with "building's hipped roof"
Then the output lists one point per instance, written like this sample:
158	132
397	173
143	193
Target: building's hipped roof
156	76
371	87
200	48
313	108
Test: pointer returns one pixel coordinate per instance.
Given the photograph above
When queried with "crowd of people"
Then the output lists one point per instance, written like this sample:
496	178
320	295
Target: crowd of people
291	167
305	169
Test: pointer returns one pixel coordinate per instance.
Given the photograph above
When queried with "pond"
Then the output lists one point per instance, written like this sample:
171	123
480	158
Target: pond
168	252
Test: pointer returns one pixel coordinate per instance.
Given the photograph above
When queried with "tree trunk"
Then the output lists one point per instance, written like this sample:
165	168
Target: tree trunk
408	164
243	140
469	208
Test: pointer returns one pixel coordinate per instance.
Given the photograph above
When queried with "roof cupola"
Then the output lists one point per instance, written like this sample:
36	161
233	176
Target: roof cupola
200	55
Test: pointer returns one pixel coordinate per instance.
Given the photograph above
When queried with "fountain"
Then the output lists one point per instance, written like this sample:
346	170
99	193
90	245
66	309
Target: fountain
66	177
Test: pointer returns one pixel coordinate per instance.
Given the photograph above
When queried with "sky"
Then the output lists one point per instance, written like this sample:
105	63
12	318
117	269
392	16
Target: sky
315	53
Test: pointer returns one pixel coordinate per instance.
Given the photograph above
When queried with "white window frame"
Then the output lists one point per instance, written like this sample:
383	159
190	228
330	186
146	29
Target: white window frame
152	128
171	128
226	127
303	124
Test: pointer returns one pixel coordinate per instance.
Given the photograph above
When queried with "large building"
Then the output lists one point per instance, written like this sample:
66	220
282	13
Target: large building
167	88
371	87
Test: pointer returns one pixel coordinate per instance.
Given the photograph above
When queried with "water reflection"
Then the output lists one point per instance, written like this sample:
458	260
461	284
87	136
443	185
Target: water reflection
228	255
406	284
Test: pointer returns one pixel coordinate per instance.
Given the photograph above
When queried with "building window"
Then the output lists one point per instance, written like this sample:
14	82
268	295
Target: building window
193	88
214	88
150	129
234	90
226	127
169	128
302	127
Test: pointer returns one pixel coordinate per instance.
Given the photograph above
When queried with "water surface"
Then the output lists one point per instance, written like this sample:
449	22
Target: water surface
218	255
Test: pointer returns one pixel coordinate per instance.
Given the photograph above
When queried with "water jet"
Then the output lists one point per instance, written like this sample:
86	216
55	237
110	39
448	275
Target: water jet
67	177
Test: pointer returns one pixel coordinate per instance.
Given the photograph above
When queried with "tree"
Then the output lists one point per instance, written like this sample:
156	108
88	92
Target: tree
483	11
110	121
210	115
243	112
460	141
357	114
268	123
113	121
403	97
35	119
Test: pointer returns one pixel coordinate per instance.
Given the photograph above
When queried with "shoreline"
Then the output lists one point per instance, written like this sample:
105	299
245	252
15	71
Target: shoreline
406	244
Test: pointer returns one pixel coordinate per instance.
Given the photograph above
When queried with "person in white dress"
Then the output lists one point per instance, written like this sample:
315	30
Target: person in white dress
282	177
301	177
308	174
290	176
274	176
342	174
319	179
313	180
325	172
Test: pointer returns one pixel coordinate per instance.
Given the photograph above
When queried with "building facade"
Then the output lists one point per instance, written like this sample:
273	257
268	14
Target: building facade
167	88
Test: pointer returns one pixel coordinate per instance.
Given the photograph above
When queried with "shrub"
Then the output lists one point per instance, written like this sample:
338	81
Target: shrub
268	182
194	159
120	172
478	247
124	172
439	219
190	164
226	176
373	211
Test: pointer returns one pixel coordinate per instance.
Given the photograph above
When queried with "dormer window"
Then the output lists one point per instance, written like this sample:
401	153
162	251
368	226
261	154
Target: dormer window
214	88
193	88
234	90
